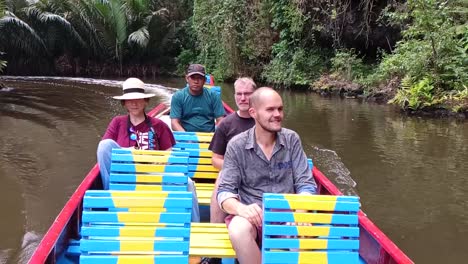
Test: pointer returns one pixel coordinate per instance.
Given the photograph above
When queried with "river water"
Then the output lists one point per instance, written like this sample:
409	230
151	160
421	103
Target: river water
411	173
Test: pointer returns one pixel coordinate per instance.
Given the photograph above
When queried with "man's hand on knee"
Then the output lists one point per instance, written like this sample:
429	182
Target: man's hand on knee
251	212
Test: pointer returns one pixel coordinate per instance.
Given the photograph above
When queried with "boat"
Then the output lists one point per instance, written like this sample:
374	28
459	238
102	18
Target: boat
375	246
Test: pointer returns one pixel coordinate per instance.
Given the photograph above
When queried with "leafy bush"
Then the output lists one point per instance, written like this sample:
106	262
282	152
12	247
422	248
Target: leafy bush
185	58
294	68
348	65
415	95
435	44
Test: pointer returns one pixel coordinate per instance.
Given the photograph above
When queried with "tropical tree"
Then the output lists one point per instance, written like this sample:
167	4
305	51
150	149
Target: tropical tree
2	13
21	43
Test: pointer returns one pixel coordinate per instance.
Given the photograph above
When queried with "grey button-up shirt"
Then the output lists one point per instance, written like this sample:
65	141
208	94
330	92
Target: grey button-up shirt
247	173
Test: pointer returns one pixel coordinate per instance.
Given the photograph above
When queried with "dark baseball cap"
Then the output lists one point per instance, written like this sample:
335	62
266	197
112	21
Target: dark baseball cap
195	69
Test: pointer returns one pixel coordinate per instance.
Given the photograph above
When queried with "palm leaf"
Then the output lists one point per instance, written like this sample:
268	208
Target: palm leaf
86	19
139	38
2	8
17	36
3	64
63	29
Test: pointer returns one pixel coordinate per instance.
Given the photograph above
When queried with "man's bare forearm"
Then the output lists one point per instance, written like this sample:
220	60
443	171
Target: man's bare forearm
217	161
231	206
176	126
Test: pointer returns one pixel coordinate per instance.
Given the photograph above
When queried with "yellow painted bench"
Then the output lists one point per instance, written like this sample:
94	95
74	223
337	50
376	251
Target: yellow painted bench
206	239
210	240
319	229
148	170
200	167
158	231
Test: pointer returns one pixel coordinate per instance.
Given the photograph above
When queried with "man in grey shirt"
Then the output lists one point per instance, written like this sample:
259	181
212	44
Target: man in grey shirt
265	158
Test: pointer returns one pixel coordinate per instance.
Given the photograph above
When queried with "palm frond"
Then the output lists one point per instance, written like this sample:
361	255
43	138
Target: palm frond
86	19
139	38
2	8
17	36
3	64
119	20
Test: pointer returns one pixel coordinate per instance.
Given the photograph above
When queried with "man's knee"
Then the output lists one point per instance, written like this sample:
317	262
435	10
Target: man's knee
241	229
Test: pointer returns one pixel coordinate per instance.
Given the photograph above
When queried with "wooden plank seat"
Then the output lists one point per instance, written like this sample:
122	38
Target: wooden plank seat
210	240
192	140
200	167
207	239
325	230
158	232
148	170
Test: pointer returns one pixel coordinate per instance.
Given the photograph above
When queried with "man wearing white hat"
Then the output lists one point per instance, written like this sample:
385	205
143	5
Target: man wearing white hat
136	130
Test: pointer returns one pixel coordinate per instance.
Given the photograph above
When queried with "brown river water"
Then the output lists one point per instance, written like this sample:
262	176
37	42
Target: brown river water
411	173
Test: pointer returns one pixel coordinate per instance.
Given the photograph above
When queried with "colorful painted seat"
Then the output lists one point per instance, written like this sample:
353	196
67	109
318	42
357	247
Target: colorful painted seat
211	240
148	170
200	167
324	230
207	239
153	228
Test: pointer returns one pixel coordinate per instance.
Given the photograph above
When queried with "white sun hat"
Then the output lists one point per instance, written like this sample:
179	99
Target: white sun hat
133	88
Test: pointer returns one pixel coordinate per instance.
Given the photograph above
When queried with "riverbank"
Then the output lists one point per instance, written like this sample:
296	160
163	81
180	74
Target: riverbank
333	85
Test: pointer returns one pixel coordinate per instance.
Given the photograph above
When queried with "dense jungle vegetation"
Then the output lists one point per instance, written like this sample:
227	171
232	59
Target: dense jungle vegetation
413	52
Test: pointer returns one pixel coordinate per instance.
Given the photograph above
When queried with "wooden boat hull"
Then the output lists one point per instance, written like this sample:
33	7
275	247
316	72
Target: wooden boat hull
375	246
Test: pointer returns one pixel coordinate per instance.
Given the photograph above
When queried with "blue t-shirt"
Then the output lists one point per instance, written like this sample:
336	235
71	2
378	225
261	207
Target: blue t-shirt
197	113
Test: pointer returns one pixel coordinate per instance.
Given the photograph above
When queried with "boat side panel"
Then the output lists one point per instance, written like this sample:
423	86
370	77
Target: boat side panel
376	247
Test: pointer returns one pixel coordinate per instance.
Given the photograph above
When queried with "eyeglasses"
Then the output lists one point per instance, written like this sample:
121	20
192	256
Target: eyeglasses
246	94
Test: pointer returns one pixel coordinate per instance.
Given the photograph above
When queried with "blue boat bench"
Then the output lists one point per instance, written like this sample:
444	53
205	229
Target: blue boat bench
135	226
130	228
200	167
142	171
320	229
207	239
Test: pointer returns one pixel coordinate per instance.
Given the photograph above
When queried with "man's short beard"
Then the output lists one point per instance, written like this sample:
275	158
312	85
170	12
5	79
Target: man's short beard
268	129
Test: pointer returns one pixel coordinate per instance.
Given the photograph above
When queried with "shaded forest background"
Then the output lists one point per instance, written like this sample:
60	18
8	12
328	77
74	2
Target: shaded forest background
413	53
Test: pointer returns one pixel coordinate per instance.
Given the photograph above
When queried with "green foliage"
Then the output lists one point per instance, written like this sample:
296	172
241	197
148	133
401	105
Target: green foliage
218	27
91	31
288	43
415	95
294	68
23	45
185	58
293	63
2	13
3	64
348	65
2	8
435	44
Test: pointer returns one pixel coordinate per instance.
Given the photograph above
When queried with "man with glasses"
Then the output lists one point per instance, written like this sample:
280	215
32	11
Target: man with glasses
195	108
232	125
